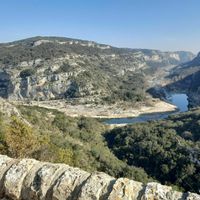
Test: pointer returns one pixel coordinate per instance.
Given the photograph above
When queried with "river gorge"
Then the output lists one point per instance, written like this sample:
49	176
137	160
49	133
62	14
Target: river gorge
180	100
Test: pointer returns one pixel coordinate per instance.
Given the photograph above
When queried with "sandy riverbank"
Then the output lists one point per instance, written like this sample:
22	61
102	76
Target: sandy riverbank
105	111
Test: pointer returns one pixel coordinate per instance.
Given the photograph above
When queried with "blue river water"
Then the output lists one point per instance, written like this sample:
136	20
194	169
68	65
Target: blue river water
178	99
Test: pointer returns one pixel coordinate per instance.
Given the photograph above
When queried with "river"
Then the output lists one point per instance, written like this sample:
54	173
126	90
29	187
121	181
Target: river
180	100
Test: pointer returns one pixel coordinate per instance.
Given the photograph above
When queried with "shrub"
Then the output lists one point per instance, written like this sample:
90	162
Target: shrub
65	67
27	72
20	139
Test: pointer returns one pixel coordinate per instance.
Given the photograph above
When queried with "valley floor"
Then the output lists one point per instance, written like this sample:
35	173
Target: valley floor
105	111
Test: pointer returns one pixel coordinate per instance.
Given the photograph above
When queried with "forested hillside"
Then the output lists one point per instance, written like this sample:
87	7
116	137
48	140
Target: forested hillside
49	135
168	150
46	68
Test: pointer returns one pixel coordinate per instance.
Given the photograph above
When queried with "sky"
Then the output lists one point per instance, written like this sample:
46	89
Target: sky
168	25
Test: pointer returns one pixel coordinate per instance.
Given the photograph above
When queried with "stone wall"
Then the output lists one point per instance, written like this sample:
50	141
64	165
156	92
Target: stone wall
30	179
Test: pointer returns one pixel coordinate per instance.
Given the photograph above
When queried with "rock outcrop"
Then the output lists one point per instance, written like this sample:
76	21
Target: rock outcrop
29	179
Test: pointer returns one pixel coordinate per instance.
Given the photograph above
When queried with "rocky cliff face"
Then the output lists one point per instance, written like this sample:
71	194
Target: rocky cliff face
186	78
44	68
186	69
30	179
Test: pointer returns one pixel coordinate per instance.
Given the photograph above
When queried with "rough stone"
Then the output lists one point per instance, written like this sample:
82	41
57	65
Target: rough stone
97	186
29	179
174	195
125	189
69	184
192	196
41	180
15	176
160	192
28	187
5	164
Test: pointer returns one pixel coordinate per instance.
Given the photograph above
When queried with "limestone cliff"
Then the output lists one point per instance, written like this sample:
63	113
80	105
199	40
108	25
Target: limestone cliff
30	179
186	78
44	68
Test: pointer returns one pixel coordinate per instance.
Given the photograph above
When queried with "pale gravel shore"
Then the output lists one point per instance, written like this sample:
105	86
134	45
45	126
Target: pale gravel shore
104	111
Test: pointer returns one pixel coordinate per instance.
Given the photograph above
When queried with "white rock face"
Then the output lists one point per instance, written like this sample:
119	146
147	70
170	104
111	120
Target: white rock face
175	56
39	42
29	179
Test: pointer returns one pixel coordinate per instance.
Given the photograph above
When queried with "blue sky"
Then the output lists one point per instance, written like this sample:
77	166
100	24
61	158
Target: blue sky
155	24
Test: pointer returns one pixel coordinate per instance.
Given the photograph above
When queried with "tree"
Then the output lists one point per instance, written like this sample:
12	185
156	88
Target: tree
20	139
27	72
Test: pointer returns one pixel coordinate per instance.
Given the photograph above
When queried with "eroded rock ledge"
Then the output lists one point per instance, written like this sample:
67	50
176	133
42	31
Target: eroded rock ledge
29	179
